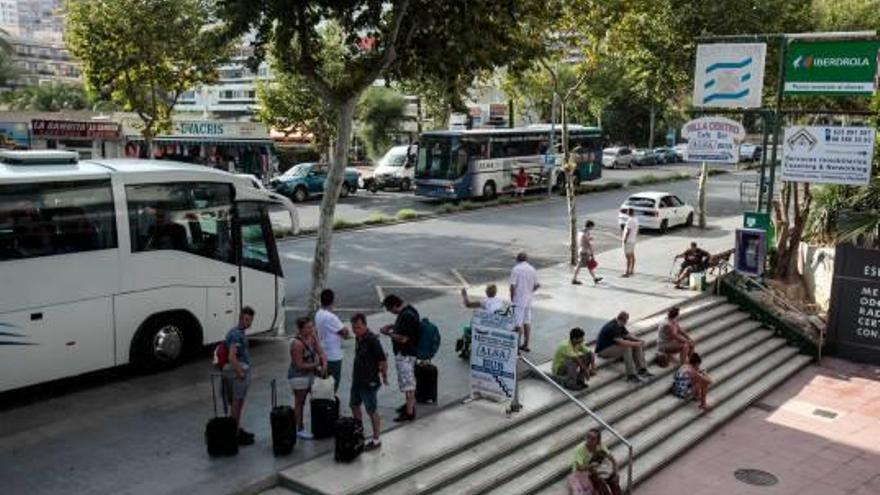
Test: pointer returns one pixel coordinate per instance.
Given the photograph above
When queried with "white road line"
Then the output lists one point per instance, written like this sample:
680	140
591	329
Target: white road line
464	282
380	293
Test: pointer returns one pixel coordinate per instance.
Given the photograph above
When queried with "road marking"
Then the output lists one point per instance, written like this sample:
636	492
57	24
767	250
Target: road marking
380	293
460	278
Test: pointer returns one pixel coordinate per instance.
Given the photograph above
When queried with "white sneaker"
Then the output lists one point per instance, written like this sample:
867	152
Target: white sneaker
305	435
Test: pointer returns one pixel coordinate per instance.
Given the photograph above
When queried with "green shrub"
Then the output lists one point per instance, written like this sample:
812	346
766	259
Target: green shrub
469	205
647	179
449	208
376	219
717	171
592	188
342	224
407	214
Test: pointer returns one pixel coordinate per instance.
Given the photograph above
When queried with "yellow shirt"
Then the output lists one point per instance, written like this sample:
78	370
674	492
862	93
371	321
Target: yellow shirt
565	351
583	457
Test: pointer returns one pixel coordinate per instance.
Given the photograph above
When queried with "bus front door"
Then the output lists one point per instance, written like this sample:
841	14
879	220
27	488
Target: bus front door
260	279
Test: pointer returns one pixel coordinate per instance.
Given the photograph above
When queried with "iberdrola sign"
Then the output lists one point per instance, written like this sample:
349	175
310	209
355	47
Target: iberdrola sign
832	67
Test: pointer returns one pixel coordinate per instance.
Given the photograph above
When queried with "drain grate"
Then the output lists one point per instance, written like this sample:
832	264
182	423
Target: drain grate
824	413
755	477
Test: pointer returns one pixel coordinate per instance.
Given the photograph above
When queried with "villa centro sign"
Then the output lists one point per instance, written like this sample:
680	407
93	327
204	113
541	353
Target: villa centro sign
713	139
832	67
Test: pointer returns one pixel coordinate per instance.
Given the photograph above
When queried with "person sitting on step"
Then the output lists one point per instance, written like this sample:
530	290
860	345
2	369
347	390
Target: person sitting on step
594	469
573	363
690	382
672	340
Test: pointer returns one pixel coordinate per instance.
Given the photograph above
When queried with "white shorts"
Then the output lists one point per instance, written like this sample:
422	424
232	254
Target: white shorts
629	248
520	190
522	315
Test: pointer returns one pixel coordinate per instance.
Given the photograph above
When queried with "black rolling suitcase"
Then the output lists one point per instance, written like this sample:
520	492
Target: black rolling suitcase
283	422
426	382
221	433
325	412
349	439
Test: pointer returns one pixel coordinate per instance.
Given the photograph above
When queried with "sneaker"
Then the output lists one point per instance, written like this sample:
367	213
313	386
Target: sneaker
645	373
404	417
372	444
597	280
305	435
245	439
524	349
576	282
633	379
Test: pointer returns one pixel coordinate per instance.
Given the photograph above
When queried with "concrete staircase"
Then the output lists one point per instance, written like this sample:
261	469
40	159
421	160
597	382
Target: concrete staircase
531	453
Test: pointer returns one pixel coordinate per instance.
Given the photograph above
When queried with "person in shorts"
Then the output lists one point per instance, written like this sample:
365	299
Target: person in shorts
594	468
237	372
523	284
370	364
573	363
629	237
694	260
307	359
404	335
331	333
672	340
586	257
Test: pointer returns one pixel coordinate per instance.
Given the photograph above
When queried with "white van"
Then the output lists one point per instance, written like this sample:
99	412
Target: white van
396	169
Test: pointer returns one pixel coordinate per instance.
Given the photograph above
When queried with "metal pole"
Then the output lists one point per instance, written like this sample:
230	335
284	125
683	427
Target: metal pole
777	121
765	123
629	470
552	150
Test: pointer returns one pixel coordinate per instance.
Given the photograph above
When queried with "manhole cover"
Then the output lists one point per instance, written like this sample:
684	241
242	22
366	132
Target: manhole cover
756	477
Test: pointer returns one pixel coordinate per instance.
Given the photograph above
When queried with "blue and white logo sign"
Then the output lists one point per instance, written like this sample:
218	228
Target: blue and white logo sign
729	75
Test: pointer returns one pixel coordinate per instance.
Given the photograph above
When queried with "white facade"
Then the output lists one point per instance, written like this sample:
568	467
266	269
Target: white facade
234	94
9	17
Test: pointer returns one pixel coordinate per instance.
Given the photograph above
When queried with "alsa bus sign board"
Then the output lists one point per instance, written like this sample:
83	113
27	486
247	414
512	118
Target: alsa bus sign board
729	75
832	67
494	346
713	139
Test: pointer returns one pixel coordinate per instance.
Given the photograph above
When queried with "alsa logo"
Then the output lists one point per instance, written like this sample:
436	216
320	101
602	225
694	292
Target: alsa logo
809	61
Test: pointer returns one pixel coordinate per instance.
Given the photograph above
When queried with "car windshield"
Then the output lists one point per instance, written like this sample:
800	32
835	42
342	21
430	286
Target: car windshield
640	202
396	157
298	170
610	152
436	159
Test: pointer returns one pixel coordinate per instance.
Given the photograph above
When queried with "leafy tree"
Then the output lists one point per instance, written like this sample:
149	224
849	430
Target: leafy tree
379	114
8	69
400	40
53	98
143	54
287	104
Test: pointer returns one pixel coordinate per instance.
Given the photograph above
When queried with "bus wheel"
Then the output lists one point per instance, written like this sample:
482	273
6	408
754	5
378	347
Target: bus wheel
405	185
489	191
161	343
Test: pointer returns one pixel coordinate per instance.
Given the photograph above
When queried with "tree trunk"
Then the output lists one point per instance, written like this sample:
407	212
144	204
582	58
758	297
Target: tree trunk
151	152
332	187
569	184
702	195
652	121
790	231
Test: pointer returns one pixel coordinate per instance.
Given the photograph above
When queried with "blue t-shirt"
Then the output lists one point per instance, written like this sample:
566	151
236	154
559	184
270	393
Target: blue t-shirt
236	337
608	334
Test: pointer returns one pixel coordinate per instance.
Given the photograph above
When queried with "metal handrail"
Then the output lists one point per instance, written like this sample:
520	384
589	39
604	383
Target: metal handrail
577	402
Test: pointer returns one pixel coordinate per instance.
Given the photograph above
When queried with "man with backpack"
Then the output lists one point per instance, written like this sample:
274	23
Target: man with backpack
237	370
404	334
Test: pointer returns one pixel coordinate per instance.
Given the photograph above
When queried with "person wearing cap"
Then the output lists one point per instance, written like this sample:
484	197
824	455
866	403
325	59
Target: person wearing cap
404	335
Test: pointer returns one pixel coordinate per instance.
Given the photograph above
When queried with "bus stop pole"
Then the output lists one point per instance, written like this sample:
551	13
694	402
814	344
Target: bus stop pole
765	124
777	120
552	149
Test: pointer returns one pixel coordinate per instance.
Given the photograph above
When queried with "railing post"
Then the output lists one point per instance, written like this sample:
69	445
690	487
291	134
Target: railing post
515	406
629	471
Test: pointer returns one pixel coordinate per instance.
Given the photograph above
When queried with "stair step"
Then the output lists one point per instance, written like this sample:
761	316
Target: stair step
606	387
764	376
626	400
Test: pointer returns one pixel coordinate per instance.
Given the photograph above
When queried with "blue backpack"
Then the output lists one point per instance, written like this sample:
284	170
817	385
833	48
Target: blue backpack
429	340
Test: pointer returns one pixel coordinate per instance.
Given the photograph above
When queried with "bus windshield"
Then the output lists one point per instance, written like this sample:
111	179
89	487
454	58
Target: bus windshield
441	158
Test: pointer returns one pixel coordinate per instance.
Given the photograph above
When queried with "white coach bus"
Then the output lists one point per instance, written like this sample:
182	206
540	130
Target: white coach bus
109	262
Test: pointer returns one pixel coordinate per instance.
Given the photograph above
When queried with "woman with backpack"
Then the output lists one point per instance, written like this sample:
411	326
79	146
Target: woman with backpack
307	360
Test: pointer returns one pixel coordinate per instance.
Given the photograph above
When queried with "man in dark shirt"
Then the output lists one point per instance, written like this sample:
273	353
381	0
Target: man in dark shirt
614	341
404	334
369	364
695	260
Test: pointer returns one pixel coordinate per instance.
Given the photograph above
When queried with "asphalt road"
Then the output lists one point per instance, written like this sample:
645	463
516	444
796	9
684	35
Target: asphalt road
411	258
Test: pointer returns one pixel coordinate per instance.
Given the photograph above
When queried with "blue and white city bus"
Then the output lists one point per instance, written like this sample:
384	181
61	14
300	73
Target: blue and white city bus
463	164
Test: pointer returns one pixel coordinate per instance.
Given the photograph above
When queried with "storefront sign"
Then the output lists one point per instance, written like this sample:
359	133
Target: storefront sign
832	67
729	75
132	127
751	251
828	155
854	316
493	355
713	139
14	135
70	129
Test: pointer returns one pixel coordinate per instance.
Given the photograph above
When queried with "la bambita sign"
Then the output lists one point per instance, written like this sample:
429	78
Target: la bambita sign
854	317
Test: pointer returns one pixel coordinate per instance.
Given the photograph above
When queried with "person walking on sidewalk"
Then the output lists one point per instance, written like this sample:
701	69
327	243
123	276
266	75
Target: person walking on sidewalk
237	372
523	284
573	363
521	180
586	258
307	359
629	237
369	364
404	334
594	469
615	342
331	332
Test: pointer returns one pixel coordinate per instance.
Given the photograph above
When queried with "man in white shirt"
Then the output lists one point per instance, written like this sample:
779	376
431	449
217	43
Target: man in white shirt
490	304
523	283
331	332
629	238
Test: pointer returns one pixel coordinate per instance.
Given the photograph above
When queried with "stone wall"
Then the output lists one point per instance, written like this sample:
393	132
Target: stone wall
816	266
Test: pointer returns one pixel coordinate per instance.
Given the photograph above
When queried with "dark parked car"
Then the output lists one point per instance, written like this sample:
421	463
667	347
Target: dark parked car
667	155
306	180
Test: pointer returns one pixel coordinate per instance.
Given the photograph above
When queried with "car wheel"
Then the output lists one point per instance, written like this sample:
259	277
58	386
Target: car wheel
300	194
489	191
159	344
615	165
372	187
345	191
405	185
664	226
690	220
630	165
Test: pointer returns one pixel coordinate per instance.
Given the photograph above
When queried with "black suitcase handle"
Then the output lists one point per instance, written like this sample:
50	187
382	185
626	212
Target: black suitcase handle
222	392
274	394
